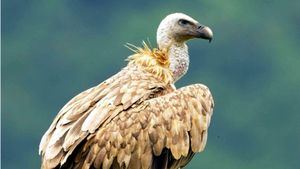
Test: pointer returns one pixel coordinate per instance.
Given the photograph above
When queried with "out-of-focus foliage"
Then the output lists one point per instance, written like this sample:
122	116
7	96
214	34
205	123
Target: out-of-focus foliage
52	50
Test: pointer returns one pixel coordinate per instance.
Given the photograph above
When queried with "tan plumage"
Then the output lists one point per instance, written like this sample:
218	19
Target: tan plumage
135	119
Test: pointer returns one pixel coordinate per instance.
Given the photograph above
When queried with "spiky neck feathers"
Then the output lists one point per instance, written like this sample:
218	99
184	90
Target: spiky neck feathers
169	65
154	61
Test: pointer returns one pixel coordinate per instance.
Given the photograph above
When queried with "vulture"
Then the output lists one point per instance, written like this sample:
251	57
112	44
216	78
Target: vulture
136	119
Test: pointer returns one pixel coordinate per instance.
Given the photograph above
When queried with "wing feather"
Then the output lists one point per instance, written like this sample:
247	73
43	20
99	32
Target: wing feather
176	123
83	115
184	119
117	124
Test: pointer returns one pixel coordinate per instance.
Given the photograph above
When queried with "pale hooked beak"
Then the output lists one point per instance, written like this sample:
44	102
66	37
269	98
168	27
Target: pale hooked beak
204	32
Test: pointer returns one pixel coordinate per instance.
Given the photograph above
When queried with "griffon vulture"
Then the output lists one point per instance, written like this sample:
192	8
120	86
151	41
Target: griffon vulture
136	119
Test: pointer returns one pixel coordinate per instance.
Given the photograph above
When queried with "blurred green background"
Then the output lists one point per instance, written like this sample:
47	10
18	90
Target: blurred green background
52	50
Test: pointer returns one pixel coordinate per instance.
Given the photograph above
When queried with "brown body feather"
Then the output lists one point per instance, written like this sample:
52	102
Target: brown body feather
135	119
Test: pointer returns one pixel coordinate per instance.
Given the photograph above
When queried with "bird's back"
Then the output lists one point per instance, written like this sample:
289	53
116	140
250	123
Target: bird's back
83	116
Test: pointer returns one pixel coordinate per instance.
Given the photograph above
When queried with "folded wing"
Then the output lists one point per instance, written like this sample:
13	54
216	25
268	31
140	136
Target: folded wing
162	132
88	111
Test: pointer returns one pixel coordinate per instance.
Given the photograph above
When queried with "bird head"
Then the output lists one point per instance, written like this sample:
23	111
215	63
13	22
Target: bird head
178	28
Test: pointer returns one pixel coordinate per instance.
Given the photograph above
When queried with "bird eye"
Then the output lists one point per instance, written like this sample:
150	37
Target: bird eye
183	22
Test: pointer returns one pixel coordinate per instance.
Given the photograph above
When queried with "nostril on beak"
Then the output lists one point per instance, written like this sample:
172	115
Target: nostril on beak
200	27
